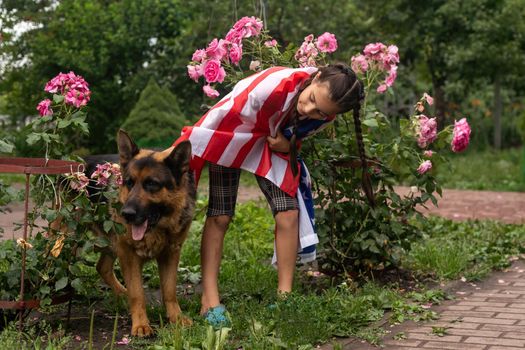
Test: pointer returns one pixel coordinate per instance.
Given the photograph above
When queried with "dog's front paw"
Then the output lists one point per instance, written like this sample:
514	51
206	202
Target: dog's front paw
141	330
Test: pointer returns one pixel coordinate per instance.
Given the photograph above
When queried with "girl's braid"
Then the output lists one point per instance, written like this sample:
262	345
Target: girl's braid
348	92
366	182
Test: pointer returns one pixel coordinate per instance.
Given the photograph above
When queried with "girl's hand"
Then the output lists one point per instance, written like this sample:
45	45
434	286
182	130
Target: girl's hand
279	143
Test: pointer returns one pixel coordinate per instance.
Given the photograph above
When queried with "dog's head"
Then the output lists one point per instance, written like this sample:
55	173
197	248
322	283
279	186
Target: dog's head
154	183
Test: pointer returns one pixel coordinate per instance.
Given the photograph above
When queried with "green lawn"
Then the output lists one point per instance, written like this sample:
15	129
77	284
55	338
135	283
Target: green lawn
485	170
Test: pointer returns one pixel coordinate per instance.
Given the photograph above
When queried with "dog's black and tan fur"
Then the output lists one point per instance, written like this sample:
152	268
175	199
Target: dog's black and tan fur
158	201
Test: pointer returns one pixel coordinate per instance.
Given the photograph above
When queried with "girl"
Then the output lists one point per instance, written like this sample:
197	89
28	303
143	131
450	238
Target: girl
255	127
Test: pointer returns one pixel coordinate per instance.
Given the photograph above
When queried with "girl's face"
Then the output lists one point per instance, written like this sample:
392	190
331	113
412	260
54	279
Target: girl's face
315	102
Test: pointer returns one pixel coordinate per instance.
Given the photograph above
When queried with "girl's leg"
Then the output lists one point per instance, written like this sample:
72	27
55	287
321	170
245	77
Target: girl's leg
284	209
211	253
223	186
286	243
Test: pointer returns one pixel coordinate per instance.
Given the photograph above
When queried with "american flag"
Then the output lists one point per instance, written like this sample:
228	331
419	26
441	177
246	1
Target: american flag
233	134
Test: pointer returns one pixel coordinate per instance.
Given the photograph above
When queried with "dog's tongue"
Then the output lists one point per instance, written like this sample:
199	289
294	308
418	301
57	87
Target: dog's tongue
137	231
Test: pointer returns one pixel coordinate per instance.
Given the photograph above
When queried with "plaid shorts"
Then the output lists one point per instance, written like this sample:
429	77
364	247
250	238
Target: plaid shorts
224	185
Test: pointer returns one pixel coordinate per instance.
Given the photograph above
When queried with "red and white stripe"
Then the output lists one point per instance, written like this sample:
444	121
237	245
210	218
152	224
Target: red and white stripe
233	132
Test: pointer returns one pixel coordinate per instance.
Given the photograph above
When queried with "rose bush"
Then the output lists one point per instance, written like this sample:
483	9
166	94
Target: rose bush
355	235
58	253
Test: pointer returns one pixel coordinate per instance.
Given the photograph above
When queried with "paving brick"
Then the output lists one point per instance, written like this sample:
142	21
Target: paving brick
514	335
511	316
518	284
502	300
403	343
497	347
468	313
489	320
474	299
496	295
459	325
459	346
457	331
503	328
447	338
495	341
517	305
464	325
461	307
480	303
501	309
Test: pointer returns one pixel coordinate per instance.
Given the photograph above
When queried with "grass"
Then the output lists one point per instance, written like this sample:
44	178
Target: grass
470	249
485	170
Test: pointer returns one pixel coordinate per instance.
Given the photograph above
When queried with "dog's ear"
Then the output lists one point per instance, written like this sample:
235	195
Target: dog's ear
127	149
178	161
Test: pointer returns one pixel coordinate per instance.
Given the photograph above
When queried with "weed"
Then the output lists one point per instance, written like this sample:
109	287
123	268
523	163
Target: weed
440	331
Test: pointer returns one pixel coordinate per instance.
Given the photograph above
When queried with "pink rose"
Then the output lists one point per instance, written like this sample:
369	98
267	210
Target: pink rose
424	167
77	98
426	130
392	54
391	77
428	98
235	53
43	108
461	137
419	106
428	153
216	49
213	72
373	50
309	38
359	63
327	42
382	88
198	55
210	92
64	82
235	36
249	26
79	181
270	43
194	72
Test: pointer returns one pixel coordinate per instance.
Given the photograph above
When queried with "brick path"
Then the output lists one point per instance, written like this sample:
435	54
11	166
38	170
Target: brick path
486	316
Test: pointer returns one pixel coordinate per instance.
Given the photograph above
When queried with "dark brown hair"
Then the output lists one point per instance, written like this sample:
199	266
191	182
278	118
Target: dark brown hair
347	91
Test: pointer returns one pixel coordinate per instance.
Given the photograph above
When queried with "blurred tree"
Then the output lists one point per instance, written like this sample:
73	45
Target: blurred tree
109	43
491	49
156	119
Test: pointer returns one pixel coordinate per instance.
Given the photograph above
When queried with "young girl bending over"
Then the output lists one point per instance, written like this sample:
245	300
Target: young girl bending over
255	127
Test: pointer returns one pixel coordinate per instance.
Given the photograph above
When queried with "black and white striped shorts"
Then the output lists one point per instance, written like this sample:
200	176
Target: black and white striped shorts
224	185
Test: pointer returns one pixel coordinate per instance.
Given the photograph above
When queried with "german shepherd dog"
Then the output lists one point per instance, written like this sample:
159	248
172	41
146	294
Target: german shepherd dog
158	201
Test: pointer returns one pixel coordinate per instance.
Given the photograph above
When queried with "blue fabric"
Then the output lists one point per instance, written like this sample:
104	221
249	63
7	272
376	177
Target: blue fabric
217	317
305	128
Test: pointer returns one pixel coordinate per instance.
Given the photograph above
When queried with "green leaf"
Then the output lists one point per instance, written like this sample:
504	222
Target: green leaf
33	138
108	225
372	123
64	123
45	290
58	98
6	147
61	283
77	284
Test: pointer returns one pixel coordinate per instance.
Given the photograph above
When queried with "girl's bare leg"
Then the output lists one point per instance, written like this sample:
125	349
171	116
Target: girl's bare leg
287	243
211	253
